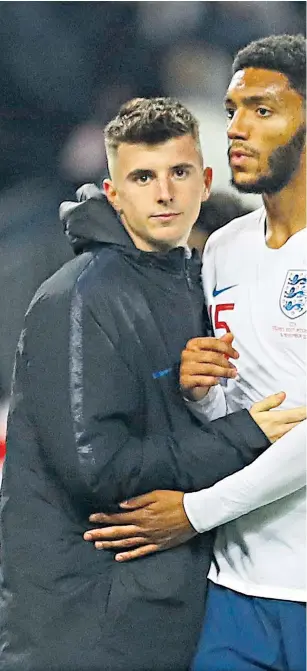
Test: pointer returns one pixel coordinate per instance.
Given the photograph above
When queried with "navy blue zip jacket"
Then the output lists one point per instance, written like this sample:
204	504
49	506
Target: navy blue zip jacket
97	417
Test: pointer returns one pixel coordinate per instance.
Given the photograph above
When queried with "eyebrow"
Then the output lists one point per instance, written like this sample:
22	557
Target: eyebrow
134	174
251	100
182	166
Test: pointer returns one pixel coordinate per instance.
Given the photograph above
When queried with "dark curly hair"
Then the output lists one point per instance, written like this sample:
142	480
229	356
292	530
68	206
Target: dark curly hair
282	53
149	121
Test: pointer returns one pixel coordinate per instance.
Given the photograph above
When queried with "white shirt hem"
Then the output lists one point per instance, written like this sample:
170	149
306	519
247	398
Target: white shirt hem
263	591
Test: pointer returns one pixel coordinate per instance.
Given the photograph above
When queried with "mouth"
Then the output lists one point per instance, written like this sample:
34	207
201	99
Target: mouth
165	216
238	158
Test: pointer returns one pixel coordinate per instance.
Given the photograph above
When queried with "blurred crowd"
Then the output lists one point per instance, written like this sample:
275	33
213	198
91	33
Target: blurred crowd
65	69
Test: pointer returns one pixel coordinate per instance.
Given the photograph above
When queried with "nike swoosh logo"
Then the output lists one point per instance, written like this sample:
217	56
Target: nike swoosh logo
216	291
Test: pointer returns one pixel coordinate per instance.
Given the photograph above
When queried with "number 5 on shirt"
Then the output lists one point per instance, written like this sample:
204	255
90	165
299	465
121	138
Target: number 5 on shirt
217	322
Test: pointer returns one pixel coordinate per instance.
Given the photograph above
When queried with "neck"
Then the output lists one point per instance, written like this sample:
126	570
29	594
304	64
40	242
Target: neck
286	210
150	244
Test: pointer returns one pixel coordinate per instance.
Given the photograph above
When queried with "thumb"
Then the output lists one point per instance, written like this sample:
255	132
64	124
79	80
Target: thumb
137	502
227	337
269	402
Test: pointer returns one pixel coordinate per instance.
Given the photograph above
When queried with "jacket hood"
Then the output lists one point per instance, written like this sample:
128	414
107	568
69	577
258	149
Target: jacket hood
92	219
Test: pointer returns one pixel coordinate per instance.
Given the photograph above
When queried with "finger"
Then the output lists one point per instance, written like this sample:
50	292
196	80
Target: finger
190	382
139	501
269	402
214	344
207	356
111	533
124	543
285	428
194	381
212	377
227	337
194	359
292	415
222	369
288	427
137	553
189	373
113	518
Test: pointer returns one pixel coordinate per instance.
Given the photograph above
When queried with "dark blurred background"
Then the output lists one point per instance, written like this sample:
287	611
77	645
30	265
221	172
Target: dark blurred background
65	69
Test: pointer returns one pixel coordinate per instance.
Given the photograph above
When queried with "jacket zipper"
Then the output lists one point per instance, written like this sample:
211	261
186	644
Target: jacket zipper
187	276
189	284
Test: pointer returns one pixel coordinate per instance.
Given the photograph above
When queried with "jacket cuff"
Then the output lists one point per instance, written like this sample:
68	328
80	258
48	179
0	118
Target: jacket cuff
248	429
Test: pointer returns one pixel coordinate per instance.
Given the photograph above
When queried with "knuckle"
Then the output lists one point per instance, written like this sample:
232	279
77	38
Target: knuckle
209	369
209	342
148	515
115	533
190	344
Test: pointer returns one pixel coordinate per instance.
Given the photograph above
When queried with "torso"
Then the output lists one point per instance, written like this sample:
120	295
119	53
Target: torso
264	306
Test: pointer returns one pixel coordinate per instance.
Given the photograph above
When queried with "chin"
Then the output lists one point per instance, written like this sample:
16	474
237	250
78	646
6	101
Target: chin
246	186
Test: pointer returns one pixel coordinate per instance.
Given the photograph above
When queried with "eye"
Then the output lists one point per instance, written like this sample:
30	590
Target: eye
263	112
181	172
230	112
142	179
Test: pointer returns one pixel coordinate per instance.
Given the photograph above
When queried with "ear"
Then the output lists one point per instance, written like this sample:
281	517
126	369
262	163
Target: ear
111	193
207	184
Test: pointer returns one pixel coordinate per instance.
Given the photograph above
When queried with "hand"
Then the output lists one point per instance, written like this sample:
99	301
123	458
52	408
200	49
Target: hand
276	424
153	522
203	362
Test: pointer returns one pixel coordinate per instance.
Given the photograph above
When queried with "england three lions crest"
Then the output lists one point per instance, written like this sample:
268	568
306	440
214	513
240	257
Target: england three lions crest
293	298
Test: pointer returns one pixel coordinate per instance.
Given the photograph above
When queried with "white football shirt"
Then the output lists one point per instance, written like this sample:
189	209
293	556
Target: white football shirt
260	295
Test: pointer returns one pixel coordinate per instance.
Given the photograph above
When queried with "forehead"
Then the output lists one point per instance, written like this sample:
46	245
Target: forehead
183	149
259	82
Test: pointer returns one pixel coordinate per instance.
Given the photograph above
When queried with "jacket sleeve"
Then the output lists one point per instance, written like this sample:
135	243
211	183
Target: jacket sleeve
99	402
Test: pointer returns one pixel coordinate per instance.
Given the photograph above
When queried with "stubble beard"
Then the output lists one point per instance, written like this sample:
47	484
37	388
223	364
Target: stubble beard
283	163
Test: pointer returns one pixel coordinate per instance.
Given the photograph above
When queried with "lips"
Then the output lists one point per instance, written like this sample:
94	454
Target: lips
237	153
165	215
239	158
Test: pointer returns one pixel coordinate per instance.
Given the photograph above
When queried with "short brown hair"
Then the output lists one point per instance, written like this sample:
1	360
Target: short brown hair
149	121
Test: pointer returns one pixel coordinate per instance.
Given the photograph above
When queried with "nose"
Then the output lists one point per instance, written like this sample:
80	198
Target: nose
164	190
238	127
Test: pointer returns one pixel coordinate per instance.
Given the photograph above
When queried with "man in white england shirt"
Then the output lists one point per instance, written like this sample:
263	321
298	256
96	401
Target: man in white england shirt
255	282
255	277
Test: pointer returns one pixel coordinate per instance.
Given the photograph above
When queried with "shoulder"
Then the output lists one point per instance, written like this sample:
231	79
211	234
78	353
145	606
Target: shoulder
92	276
81	273
235	231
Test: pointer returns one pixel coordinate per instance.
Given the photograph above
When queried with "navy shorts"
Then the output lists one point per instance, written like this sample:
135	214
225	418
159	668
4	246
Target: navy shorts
245	633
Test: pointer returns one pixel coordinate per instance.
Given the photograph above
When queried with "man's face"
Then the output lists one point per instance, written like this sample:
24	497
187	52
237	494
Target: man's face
266	130
158	190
